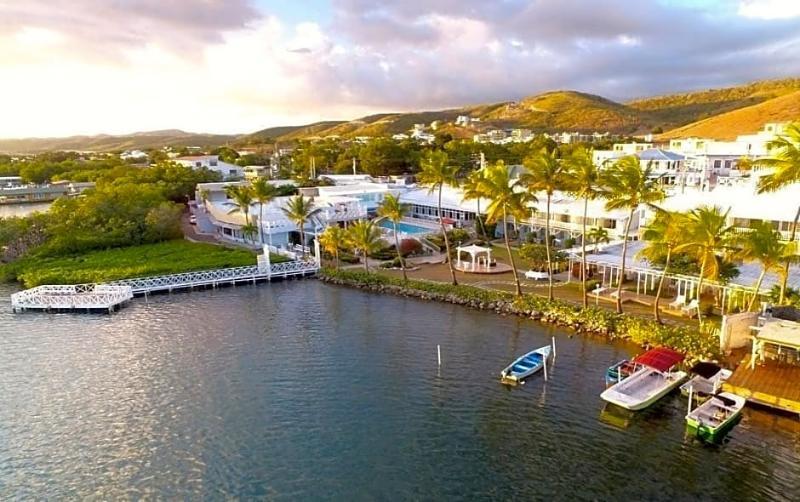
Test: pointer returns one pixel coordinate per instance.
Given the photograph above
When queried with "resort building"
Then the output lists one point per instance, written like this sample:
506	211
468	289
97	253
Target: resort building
456	211
212	163
217	215
566	218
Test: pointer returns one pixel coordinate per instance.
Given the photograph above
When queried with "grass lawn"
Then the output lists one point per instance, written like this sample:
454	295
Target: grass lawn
122	263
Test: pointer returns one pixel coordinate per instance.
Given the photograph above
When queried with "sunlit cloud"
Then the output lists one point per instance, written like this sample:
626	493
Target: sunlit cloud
91	66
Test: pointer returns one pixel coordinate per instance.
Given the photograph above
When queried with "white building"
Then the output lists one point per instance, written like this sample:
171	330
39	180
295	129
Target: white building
218	215
133	155
212	163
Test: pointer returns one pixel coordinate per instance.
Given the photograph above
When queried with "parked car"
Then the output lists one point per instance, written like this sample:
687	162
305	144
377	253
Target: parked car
193	220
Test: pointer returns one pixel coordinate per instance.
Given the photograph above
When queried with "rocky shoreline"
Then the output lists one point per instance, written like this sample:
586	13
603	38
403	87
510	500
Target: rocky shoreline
590	321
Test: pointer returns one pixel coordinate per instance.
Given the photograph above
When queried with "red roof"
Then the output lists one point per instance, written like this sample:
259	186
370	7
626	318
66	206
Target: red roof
660	359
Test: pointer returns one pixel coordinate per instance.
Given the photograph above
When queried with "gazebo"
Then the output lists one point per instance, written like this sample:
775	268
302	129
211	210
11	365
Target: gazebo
480	258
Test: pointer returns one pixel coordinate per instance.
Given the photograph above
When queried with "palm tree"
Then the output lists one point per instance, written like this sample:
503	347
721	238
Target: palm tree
508	198
332	240
663	235
263	193
763	244
546	173
707	233
585	184
392	210
787	171
436	172
472	190
598	235
241	200
248	231
364	236
627	187
300	210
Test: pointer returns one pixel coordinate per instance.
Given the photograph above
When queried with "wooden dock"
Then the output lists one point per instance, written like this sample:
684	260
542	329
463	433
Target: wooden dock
775	384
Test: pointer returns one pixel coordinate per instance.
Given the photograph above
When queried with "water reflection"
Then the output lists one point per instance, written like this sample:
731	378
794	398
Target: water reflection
299	389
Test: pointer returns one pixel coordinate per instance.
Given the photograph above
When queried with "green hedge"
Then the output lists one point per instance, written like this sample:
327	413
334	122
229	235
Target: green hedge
645	332
122	263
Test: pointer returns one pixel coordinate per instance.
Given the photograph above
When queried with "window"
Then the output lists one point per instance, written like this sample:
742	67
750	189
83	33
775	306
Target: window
232	172
198	164
717	164
212	163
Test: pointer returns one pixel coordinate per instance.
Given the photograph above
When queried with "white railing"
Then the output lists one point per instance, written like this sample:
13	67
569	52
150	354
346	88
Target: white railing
80	296
218	276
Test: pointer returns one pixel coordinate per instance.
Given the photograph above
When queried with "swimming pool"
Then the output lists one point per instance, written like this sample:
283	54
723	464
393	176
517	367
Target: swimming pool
406	228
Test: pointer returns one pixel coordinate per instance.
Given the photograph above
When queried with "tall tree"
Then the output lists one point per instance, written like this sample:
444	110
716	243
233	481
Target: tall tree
663	235
241	198
628	186
333	240
764	245
786	163
393	210
364	236
584	184
707	234
508	198
436	172
472	191
300	210
546	173
264	192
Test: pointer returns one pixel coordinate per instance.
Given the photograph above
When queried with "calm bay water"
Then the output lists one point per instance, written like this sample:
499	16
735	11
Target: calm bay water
305	390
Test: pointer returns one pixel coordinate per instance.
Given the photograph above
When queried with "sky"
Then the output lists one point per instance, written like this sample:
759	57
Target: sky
235	66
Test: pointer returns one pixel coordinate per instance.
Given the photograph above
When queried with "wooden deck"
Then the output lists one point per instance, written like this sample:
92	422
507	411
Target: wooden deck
774	384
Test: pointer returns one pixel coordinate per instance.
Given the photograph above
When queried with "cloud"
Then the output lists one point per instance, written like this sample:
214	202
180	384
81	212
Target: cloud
99	66
769	9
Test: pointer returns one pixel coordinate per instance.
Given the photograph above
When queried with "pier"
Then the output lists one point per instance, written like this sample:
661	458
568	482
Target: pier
113	295
773	384
79	297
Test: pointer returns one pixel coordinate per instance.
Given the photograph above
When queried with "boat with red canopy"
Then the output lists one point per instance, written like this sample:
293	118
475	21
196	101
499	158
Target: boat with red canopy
654	379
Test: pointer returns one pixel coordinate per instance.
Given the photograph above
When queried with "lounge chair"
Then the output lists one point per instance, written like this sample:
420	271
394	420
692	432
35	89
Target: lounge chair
679	302
691	309
536	276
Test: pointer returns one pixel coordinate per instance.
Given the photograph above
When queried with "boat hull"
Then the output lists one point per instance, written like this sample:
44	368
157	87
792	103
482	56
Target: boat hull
703	422
617	395
525	366
712	434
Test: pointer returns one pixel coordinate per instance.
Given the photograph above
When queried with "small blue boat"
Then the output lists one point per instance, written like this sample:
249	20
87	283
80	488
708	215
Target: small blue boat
619	371
526	365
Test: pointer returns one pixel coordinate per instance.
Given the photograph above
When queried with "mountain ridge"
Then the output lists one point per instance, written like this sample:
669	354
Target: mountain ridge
720	113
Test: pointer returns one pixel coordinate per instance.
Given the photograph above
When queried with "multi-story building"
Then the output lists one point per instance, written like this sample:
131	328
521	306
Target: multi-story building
212	163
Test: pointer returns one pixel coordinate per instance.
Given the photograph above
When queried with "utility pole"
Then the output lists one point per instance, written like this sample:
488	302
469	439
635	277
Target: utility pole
354	166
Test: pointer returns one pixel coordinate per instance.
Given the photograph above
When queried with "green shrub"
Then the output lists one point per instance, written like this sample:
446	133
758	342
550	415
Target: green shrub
646	332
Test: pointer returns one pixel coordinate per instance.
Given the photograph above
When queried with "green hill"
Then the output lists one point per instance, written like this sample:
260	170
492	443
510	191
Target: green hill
108	143
747	120
680	109
719	113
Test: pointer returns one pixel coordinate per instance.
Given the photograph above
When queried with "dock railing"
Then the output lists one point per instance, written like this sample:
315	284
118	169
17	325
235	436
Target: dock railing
71	297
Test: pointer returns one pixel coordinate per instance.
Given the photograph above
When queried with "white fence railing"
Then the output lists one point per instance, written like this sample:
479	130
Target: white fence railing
80	296
218	276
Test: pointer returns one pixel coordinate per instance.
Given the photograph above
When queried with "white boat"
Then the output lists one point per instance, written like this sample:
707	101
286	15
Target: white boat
714	418
527	365
707	380
654	380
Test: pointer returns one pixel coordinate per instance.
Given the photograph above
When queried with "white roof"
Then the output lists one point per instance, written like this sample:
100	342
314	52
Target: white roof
748	272
452	198
563	203
742	200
